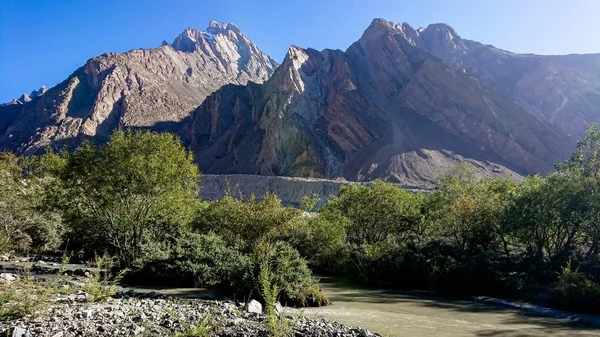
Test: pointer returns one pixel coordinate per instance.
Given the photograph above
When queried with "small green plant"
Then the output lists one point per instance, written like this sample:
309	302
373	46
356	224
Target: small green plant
269	292
207	326
102	283
23	296
277	326
575	291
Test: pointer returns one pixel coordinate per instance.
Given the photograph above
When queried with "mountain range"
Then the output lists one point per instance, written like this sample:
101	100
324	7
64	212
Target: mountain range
400	103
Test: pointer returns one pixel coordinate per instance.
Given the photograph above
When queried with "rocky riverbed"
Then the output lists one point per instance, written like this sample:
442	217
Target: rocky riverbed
138	316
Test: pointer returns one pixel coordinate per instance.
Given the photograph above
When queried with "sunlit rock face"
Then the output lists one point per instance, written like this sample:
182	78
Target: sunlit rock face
155	88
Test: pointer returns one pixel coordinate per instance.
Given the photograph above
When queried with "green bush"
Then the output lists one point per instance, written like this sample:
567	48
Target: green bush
575	291
245	222
289	273
322	240
192	260
26	224
132	191
376	211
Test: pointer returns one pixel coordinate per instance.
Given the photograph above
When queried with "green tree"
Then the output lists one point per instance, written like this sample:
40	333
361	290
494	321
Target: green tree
25	224
469	210
586	158
134	190
243	223
376	211
547	216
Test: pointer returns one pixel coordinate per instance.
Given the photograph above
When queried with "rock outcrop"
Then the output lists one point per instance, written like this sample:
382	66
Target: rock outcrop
384	108
155	88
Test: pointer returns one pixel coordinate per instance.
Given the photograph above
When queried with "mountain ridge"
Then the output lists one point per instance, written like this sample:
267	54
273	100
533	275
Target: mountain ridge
348	114
563	90
146	88
400	103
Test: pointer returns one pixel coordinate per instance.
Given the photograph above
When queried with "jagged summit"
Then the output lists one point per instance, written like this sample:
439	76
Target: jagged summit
377	26
42	90
192	38
24	98
28	97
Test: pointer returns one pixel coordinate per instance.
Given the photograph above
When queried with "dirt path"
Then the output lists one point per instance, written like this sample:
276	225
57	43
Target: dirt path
400	315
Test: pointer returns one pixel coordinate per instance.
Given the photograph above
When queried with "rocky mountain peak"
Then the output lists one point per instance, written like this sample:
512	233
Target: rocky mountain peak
191	37
42	90
443	29
408	32
216	27
440	39
28	97
295	57
376	28
153	88
24	98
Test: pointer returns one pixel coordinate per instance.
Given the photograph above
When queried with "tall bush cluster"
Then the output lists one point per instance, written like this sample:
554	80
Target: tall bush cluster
136	198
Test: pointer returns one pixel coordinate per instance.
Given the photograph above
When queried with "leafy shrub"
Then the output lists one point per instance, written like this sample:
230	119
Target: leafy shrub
575	291
209	324
244	223
131	191
289	274
102	283
23	296
376	211
25	223
193	260
321	239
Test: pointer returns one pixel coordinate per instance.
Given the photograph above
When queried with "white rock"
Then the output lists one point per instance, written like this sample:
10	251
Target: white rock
254	306
19	332
7	278
138	330
87	313
278	309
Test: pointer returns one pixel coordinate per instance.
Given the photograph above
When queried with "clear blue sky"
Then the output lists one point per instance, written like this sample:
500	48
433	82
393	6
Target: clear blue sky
44	41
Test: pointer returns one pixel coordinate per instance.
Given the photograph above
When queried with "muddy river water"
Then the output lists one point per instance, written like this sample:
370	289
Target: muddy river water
402	314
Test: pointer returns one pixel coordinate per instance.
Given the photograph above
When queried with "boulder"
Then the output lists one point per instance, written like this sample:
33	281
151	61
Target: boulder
7	278
20	332
254	307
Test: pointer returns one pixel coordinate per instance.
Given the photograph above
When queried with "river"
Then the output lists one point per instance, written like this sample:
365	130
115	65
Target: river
411	314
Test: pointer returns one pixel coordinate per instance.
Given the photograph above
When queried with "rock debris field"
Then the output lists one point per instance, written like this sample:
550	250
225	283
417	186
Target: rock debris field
137	316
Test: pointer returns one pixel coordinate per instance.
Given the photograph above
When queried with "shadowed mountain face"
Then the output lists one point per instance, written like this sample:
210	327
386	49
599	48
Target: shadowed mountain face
562	90
383	108
154	88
